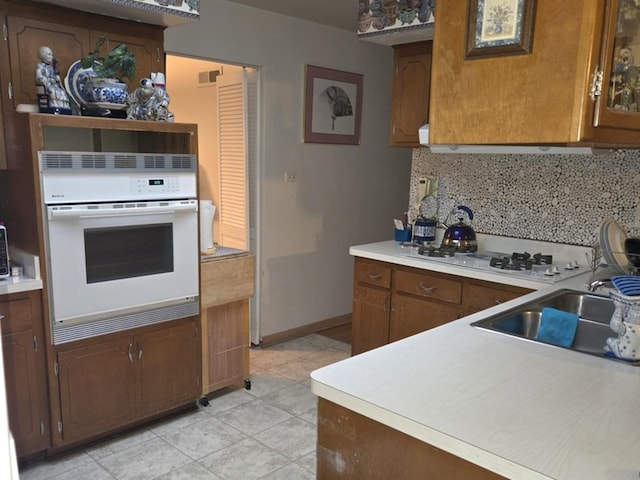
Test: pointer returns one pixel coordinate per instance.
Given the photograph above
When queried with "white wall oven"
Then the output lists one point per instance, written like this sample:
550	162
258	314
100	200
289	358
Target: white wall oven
121	238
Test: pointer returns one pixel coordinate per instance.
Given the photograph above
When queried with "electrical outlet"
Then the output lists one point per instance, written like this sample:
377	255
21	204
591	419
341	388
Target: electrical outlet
289	177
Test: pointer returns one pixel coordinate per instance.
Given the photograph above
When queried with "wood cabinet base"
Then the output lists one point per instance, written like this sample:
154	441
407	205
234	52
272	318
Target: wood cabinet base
352	446
226	285
25	372
118	380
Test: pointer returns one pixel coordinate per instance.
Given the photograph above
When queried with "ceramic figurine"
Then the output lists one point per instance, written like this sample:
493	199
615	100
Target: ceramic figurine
625	321
149	102
52	96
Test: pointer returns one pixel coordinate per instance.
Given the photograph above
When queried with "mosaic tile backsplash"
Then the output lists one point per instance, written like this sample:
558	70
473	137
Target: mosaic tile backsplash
556	198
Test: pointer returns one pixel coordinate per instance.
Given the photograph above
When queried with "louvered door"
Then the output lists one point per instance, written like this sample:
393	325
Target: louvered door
232	123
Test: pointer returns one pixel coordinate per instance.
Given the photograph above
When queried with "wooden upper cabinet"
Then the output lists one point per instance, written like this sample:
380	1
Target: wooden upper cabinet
618	105
26	37
548	96
410	101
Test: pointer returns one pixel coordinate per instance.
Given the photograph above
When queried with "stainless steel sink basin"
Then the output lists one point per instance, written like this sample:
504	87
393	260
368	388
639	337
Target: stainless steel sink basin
593	327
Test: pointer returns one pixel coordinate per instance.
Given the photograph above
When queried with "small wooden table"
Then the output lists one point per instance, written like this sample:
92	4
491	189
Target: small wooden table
226	285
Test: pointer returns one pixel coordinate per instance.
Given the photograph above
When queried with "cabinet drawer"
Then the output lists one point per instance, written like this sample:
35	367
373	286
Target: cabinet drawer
429	285
479	296
373	273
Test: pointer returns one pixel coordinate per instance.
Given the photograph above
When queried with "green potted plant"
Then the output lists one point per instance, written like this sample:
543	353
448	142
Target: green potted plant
107	88
119	63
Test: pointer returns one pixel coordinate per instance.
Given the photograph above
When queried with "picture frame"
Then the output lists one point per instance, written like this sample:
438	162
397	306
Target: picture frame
499	27
332	106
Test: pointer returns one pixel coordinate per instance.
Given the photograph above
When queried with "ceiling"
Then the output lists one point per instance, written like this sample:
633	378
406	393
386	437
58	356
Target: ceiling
336	13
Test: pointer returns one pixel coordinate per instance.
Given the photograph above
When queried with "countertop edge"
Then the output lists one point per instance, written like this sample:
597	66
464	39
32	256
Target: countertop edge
435	438
22	285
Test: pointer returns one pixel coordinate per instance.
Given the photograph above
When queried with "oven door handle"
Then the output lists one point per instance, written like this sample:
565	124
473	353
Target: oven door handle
121	212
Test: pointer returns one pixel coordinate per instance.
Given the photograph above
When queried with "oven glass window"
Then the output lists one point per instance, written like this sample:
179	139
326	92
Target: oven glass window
124	252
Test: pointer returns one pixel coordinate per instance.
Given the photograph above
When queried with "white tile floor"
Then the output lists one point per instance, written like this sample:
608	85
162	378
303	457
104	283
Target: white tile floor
268	432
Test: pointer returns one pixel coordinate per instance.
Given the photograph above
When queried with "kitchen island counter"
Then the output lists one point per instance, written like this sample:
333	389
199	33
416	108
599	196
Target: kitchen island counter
521	409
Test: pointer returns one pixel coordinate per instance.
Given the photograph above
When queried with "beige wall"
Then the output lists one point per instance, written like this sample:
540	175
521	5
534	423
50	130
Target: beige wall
343	195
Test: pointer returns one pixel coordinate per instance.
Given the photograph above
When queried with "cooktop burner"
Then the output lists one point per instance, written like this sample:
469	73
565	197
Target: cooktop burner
537	266
441	251
521	261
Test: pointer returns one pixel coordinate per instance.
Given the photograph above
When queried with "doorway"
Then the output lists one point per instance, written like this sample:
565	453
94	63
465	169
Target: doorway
223	100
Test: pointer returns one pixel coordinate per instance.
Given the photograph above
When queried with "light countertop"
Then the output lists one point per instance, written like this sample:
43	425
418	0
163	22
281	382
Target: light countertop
29	280
521	409
19	284
222	253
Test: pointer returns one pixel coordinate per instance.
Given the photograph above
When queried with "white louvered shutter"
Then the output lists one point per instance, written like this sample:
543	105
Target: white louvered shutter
232	119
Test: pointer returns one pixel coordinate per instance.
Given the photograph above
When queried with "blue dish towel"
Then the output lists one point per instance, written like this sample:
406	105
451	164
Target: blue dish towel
557	327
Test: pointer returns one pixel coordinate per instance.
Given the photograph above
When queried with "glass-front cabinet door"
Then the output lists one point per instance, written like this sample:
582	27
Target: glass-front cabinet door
618	104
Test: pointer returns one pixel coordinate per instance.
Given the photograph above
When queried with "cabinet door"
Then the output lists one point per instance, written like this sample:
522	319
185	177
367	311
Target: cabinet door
411	315
96	388
146	46
370	319
25	37
619	103
411	82
25	376
5	73
226	345
167	368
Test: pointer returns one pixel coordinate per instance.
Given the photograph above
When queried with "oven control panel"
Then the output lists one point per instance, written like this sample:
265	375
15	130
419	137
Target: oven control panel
60	188
88	177
155	185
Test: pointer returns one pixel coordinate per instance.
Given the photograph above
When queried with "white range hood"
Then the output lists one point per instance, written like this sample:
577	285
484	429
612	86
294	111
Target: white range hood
423	134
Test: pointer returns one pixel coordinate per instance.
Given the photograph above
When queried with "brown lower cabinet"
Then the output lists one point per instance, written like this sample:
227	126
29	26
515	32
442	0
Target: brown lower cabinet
391	301
25	372
114	381
352	446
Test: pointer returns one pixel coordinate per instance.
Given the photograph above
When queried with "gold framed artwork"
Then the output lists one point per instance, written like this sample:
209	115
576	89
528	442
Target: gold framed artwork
499	27
332	106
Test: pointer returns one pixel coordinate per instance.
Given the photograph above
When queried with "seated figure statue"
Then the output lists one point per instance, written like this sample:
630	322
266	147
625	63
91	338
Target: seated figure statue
47	77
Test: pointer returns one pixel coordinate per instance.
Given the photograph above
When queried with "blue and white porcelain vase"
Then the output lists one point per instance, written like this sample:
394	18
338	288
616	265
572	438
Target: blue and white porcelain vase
106	92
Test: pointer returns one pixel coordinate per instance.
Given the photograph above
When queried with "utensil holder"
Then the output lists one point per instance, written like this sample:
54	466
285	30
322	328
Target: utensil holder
402	236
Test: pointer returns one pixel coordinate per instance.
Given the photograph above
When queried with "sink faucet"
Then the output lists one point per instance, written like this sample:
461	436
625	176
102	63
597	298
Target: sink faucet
596	284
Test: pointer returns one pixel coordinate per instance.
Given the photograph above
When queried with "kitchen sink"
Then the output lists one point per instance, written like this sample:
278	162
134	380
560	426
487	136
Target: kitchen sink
593	327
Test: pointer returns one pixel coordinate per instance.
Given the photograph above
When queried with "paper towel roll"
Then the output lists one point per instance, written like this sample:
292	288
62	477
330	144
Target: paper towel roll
207	212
